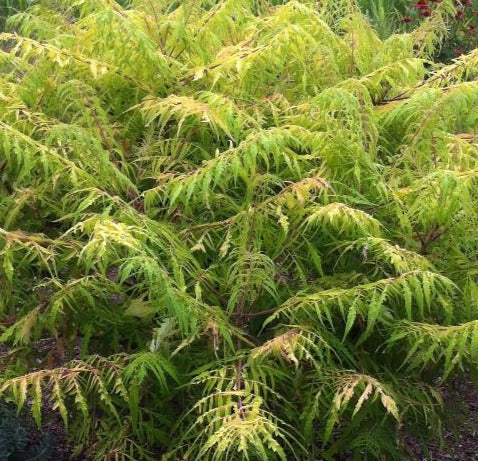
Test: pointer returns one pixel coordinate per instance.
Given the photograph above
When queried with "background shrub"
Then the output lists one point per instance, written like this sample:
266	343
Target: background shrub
405	15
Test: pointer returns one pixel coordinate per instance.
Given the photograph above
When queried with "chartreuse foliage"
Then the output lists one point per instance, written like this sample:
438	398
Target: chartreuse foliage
245	230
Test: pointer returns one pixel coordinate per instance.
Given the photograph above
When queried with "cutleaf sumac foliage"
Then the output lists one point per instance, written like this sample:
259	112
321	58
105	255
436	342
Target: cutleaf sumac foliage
234	229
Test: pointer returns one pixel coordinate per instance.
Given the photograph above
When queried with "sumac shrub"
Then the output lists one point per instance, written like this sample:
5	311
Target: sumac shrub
233	230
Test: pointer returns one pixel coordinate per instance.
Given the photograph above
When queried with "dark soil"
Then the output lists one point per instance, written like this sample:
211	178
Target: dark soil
460	427
62	451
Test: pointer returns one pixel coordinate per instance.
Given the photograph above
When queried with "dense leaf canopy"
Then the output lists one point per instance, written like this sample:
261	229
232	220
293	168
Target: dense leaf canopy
232	229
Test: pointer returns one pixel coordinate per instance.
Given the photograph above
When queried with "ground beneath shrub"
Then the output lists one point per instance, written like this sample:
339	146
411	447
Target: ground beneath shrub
460	433
459	441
